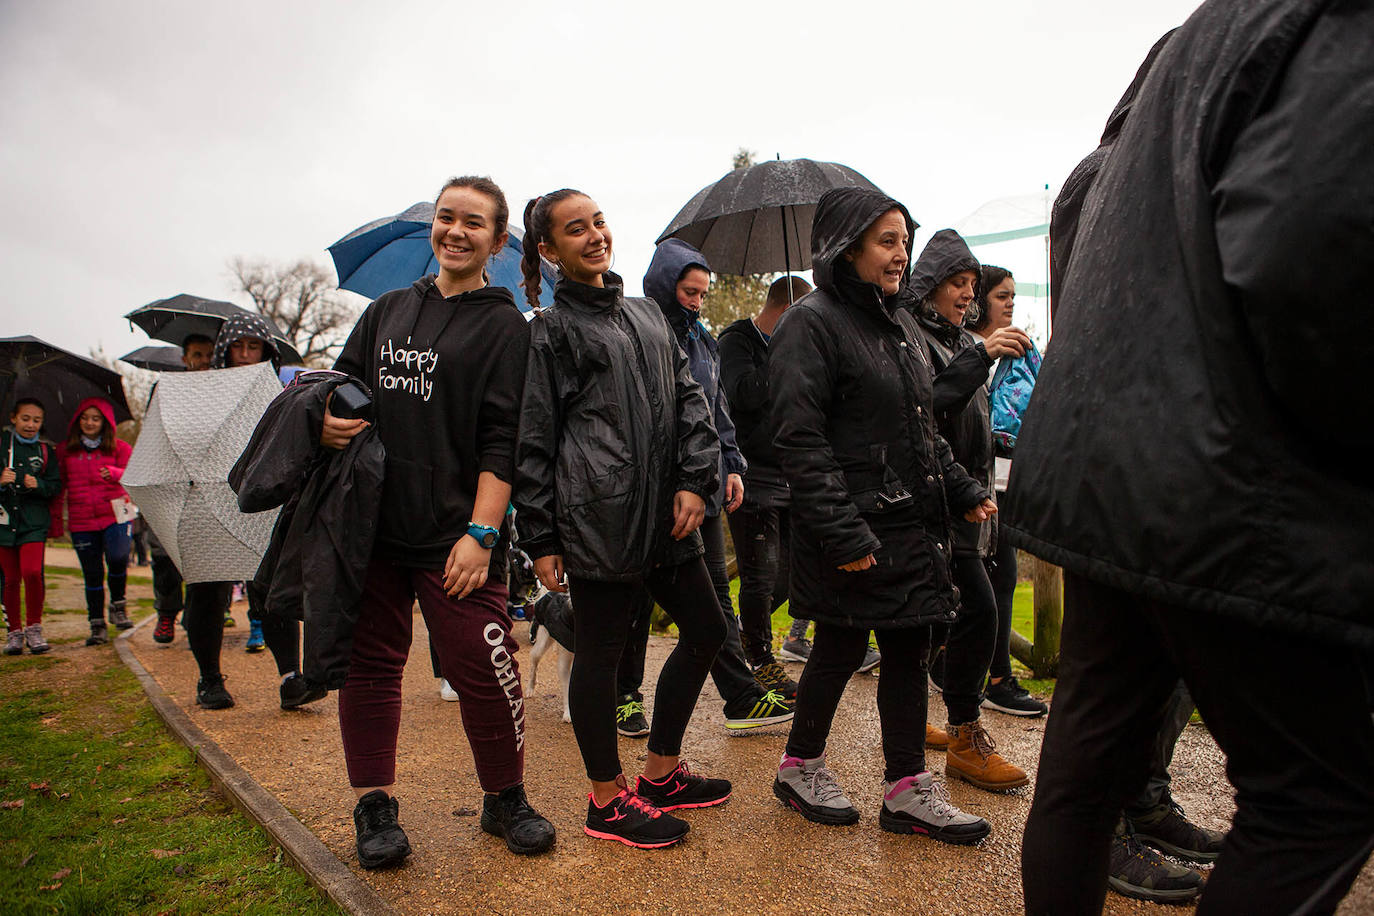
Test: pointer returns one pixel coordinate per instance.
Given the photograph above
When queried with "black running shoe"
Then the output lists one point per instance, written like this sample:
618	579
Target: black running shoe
629	717
210	693
631	820
1136	870
1167	829
1009	697
683	789
296	691
381	841
508	814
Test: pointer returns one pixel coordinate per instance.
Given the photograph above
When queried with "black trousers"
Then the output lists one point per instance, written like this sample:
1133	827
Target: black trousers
971	640
206	605
601	613
281	635
733	678
836	653
762	538
1292	716
1001	570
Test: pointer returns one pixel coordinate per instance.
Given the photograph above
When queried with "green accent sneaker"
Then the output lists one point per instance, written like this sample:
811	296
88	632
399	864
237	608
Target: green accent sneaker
629	717
770	709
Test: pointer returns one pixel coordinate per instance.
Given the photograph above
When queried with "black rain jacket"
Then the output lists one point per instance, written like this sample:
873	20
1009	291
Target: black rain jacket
744	379
1196	434
852	409
315	565
611	427
961	363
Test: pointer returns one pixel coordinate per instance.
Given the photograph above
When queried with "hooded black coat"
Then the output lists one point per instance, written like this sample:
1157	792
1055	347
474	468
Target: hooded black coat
240	326
612	425
671	259
315	564
961	363
1196	427
852	409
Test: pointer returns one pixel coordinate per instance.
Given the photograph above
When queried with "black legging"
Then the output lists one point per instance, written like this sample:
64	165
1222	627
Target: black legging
601	615
281	635
971	639
836	653
206	605
1001	568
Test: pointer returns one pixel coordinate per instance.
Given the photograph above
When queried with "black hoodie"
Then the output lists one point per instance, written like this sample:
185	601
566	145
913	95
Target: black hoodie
447	376
852	409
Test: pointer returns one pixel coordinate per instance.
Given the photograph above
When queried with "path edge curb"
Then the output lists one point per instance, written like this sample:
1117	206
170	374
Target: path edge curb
304	851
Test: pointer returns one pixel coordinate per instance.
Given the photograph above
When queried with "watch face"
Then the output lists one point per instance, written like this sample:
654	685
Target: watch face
489	539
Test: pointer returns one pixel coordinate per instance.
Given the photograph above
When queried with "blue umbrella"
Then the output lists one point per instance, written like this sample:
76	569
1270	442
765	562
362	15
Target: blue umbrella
394	251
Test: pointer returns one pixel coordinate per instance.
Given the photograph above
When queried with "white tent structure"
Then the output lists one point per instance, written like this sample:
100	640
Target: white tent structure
1014	232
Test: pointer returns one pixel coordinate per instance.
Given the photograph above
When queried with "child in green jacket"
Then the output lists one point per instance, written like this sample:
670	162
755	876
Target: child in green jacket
28	482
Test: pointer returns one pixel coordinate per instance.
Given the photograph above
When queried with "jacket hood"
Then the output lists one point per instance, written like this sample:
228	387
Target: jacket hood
105	407
246	325
671	260
944	256
842	215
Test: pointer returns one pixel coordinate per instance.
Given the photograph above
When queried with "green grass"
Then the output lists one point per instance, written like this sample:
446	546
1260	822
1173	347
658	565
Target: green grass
109	795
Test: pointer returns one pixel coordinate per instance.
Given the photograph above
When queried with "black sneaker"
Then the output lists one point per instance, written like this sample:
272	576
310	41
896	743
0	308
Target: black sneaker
629	717
771	676
1136	870
381	841
631	820
683	789
872	659
769	709
795	649
1168	830
296	691
508	815
1008	696
210	693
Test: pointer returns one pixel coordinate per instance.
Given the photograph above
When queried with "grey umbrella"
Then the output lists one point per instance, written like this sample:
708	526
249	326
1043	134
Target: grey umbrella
757	219
174	318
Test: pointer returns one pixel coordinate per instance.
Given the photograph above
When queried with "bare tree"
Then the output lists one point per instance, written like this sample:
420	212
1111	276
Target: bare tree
138	388
302	300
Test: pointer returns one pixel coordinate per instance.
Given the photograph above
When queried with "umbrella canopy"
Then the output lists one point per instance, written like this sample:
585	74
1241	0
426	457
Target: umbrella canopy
197	425
394	251
176	317
30	367
156	359
757	219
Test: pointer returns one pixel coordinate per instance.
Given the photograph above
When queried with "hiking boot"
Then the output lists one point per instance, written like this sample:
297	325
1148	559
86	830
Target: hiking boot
682	789
98	631
795	649
446	691
935	669
872	659
919	804
508	814
973	757
381	841
296	691
937	739
1168	830
255	641
632	820
119	615
770	676
33	635
165	631
1136	870
769	709
210	693
14	642
1008	696
808	787
629	717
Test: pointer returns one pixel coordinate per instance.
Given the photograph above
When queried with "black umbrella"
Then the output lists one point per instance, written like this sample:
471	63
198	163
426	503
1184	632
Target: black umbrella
757	219
156	359
30	367
175	318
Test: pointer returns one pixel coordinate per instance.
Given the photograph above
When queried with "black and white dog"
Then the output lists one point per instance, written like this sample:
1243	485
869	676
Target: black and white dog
551	613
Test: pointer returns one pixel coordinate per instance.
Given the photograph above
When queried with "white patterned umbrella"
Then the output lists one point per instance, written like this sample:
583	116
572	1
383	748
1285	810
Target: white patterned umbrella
195	428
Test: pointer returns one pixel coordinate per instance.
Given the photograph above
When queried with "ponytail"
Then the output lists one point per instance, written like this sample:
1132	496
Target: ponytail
538	230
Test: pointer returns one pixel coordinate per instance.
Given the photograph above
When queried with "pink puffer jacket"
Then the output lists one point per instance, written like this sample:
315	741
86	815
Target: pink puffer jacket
89	494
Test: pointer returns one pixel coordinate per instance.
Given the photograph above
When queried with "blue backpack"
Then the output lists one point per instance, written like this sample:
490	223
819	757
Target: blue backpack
1010	393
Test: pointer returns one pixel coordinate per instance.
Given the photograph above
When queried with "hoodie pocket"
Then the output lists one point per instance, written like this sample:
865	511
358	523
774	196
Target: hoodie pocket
407	511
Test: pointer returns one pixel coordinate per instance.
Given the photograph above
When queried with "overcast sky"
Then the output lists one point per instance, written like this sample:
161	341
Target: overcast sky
143	145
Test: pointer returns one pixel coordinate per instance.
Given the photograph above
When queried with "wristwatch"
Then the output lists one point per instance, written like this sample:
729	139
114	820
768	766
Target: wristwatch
485	535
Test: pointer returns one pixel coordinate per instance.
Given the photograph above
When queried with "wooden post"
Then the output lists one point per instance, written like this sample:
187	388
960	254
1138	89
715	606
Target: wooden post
1048	604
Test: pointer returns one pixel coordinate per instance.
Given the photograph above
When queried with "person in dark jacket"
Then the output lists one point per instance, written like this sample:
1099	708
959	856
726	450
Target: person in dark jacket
30	477
617	458
1190	458
942	287
872	486
762	526
445	359
678	280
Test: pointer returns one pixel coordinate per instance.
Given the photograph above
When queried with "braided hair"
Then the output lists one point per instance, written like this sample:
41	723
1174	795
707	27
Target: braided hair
538	230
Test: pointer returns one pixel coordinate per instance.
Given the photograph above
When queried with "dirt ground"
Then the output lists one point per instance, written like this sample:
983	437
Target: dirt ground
751	855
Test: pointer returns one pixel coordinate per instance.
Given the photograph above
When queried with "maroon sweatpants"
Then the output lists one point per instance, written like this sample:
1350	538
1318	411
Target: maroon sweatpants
23	563
476	653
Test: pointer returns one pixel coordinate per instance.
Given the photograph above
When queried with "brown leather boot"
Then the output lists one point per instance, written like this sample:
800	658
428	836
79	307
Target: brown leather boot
937	739
973	758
